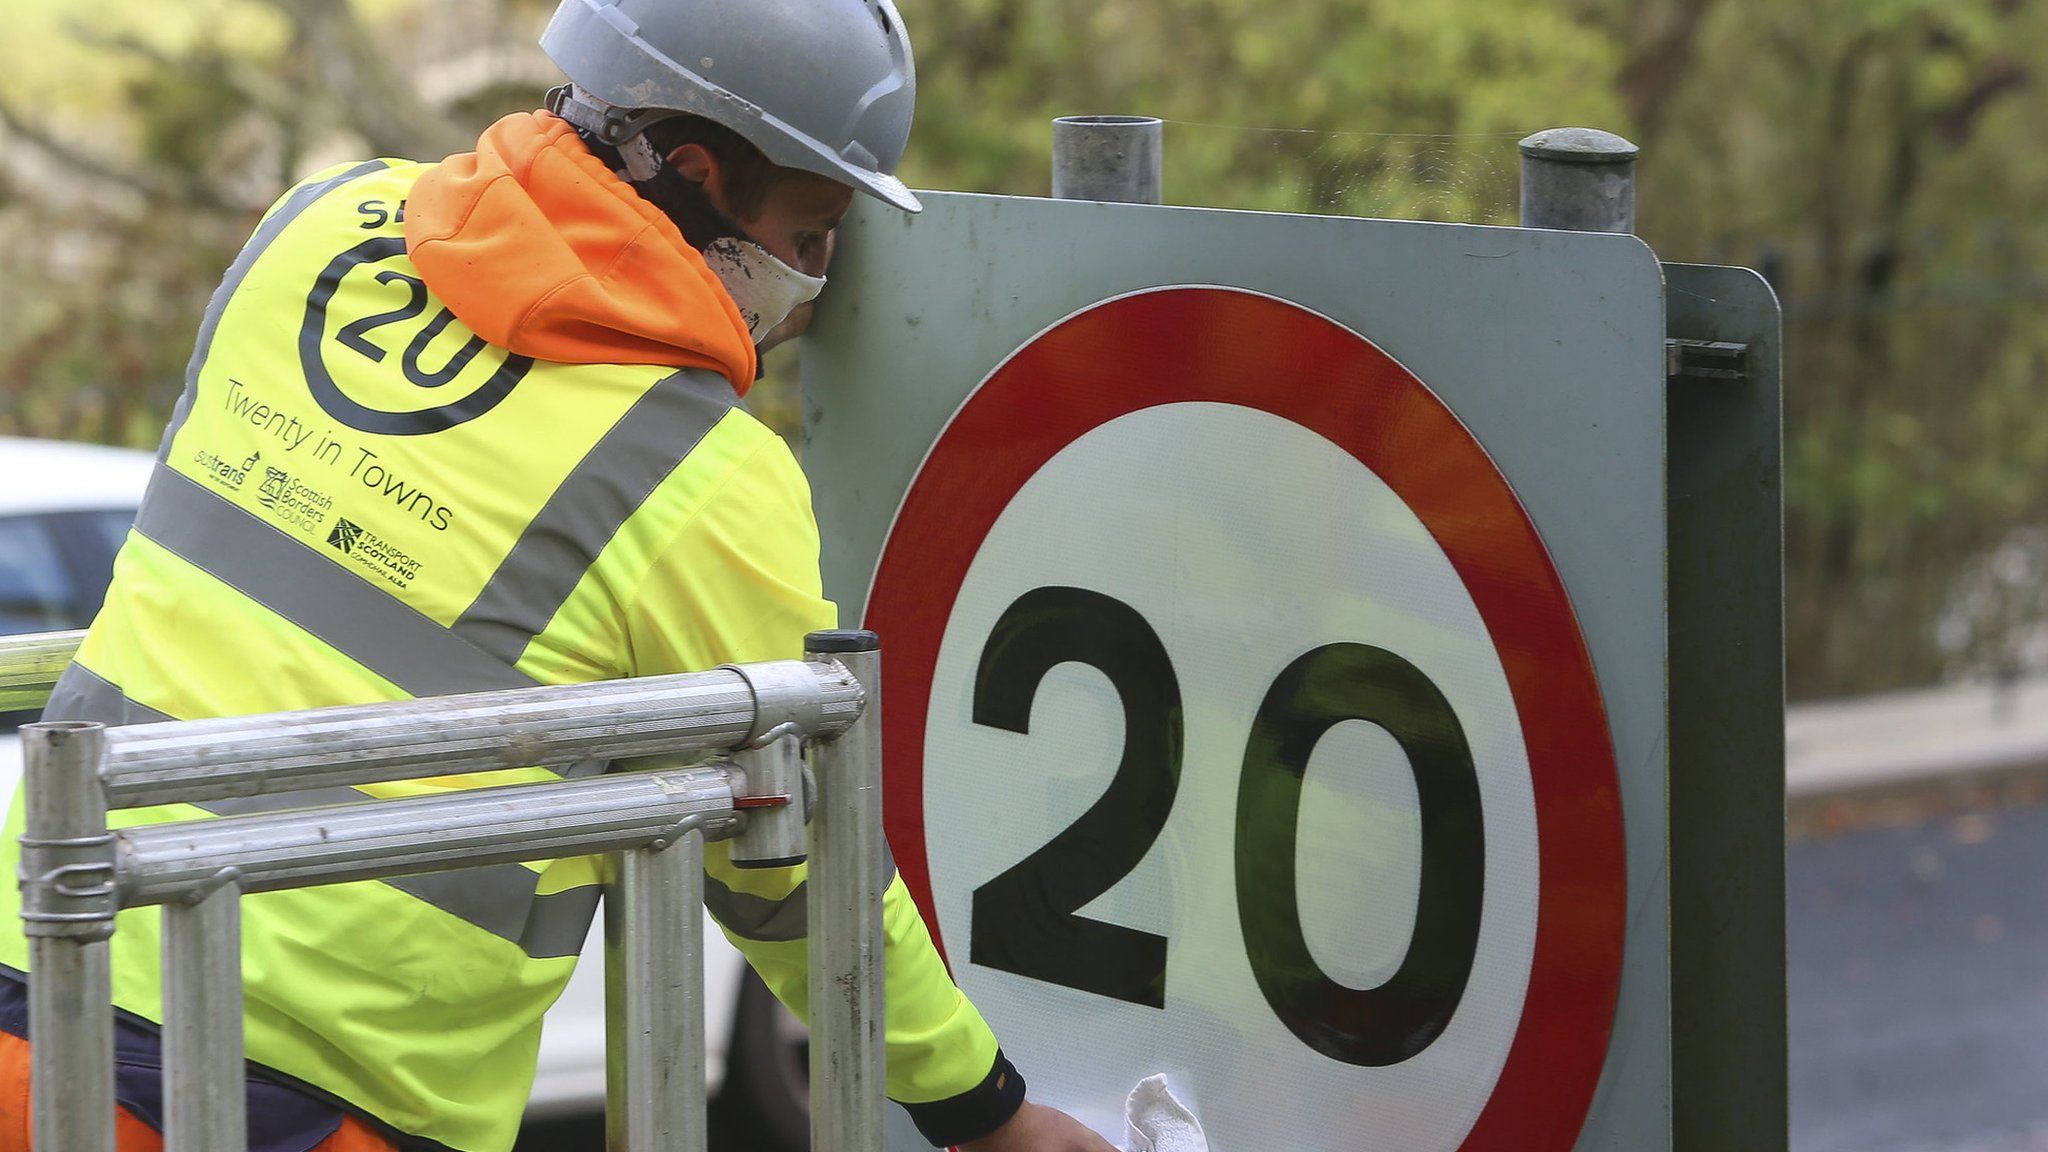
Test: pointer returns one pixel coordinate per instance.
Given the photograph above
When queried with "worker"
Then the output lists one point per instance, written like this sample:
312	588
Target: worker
476	425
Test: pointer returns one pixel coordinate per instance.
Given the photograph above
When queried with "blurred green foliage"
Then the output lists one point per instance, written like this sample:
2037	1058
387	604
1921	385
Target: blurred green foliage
1878	159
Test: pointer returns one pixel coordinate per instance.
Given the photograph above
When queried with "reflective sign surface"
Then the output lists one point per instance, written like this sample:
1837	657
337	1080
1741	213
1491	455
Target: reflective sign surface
1240	728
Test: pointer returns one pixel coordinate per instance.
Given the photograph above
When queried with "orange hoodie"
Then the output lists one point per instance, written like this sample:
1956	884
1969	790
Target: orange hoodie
541	250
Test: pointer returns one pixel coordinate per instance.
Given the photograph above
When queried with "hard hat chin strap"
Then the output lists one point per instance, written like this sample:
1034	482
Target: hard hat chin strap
702	222
622	128
618	138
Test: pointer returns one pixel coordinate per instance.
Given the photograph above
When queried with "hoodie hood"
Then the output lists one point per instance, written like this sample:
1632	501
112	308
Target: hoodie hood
541	250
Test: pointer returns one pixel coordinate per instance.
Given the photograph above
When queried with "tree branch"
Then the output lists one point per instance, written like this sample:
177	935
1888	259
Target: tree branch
189	190
1659	62
1960	120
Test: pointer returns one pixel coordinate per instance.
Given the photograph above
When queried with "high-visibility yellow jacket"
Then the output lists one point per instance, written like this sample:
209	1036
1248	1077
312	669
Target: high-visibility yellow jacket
451	428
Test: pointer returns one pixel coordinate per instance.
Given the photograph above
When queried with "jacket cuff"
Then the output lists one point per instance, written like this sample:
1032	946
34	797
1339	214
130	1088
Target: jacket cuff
974	1113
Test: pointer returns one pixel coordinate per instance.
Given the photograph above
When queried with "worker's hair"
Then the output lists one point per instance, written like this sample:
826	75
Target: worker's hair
748	174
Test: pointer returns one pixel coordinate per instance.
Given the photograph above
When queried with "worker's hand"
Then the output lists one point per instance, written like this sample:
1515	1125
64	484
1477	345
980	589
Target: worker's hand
1036	1128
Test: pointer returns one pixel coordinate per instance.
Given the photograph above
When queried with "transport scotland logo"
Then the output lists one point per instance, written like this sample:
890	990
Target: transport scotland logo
383	558
344	535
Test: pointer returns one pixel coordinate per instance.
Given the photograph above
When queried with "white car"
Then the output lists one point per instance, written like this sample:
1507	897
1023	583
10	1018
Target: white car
64	510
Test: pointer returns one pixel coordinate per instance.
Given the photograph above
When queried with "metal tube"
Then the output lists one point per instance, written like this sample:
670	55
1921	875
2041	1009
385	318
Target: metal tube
1579	180
849	872
443	736
205	1098
1114	158
30	665
165	862
654	1000
67	912
71	1016
785	694
773	834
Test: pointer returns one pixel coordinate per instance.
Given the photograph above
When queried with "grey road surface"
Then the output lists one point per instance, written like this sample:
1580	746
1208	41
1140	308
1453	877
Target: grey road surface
1918	976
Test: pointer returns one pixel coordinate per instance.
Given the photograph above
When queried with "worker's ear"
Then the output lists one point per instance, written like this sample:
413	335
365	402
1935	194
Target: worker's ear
695	163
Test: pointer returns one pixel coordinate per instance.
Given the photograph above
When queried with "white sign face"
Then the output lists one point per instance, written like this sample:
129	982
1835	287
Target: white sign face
1182	515
1239	729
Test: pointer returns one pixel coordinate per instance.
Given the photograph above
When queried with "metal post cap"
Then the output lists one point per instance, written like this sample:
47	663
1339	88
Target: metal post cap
842	640
1579	146
1132	122
60	731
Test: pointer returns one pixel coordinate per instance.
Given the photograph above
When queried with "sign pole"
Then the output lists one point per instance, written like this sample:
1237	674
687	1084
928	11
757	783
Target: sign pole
1725	525
1112	158
1578	180
1724	487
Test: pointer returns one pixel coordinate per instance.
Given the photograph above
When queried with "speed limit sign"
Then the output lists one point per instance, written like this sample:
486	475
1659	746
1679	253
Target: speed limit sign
1322	791
1241	725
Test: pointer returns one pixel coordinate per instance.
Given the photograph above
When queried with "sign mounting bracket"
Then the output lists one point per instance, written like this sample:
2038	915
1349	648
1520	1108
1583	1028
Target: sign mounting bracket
1706	361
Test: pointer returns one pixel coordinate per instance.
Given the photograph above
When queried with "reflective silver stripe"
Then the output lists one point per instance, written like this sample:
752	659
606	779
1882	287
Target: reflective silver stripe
757	917
267	232
500	900
378	631
558	923
611	482
83	694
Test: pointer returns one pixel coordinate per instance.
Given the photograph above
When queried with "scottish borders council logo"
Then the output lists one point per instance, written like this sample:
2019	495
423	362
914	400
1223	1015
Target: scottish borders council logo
276	482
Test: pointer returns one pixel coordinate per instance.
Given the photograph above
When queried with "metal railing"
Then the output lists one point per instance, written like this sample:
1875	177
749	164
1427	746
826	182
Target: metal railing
76	874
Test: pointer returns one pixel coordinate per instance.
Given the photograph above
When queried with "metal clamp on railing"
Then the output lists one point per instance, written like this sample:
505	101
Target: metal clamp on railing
76	874
67	857
772	830
67	887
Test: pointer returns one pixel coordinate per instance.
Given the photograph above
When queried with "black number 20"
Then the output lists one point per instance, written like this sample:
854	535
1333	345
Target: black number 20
1026	920
356	335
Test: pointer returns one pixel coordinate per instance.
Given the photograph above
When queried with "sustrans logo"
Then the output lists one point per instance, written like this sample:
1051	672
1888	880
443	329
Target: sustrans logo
224	473
345	534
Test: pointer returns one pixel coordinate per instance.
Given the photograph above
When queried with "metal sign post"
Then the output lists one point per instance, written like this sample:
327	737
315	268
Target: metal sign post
1727	712
1725	473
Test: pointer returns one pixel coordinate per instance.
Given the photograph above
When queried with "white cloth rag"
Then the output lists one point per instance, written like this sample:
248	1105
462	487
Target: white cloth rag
1157	1122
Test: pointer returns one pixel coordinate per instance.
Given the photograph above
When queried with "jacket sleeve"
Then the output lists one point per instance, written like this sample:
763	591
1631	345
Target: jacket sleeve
738	583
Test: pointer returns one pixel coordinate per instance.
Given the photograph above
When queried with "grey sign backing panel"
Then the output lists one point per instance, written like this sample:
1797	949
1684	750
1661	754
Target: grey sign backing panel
1547	345
1727	722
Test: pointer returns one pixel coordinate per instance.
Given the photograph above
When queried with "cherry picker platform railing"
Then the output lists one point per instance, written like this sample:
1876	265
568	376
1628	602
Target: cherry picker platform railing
76	873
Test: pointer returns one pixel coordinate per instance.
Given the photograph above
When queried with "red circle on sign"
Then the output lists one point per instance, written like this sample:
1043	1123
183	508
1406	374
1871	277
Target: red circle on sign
1224	346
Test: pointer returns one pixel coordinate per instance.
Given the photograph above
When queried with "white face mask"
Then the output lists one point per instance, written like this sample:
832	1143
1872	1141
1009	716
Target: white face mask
766	289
